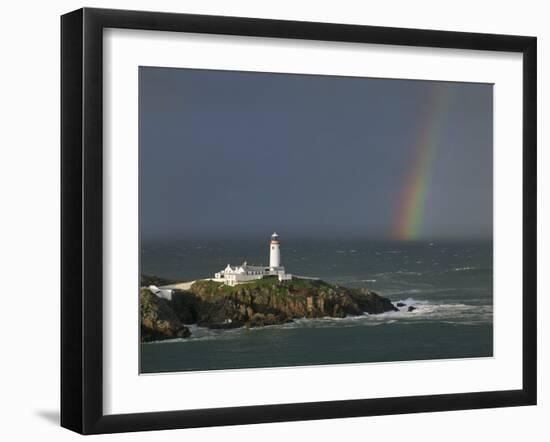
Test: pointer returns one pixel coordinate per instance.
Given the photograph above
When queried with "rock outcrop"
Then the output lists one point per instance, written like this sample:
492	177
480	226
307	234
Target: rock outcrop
259	303
158	319
269	302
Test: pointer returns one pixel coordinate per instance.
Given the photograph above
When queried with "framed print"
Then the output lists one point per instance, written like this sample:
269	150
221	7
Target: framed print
268	220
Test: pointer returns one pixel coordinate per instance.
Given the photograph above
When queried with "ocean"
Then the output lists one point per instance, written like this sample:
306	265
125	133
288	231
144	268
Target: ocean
449	282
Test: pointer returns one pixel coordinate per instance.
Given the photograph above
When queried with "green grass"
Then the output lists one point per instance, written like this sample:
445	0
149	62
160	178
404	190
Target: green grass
146	280
270	282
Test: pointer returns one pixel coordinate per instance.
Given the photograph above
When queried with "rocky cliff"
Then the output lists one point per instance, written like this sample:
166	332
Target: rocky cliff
269	301
158	319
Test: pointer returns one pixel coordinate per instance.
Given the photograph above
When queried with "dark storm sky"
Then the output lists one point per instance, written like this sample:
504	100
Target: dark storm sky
224	154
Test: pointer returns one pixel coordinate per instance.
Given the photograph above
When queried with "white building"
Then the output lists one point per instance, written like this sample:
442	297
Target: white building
233	275
161	292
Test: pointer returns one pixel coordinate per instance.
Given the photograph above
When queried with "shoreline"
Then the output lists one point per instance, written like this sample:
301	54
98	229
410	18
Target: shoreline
423	310
166	311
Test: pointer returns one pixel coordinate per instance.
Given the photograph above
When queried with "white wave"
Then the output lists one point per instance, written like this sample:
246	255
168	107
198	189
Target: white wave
398	272
403	292
347	281
412	301
406	272
425	311
456	312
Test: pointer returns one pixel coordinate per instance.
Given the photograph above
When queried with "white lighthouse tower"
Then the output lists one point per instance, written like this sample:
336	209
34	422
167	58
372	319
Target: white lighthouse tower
274	252
233	275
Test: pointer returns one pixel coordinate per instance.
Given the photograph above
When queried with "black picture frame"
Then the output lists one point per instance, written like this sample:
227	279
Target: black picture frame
82	214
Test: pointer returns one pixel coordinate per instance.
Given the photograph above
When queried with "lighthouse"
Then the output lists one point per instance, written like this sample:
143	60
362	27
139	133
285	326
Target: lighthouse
233	275
274	252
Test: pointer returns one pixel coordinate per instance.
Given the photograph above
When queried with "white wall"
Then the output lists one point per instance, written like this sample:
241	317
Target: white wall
29	233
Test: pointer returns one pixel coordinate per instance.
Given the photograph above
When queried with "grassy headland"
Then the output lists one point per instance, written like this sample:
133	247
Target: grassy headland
267	301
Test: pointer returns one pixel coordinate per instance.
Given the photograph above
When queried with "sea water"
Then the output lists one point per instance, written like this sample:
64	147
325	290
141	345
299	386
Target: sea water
448	282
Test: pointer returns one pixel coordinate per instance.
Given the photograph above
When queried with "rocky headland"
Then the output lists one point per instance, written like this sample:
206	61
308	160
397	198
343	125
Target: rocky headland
255	304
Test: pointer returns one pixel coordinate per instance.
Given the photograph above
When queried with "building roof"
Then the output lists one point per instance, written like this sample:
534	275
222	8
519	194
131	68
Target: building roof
254	268
246	267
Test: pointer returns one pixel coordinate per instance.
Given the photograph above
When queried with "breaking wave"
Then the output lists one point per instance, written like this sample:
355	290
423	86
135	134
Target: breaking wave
424	311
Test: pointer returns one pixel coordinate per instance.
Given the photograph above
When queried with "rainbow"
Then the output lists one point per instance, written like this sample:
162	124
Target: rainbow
412	201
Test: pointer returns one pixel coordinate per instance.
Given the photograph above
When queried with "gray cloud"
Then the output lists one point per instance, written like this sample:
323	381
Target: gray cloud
234	153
